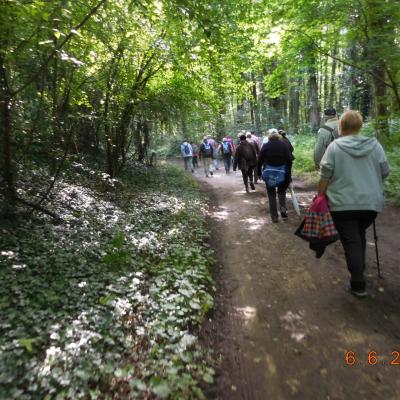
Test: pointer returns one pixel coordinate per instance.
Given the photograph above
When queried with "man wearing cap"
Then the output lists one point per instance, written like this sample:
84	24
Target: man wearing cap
326	134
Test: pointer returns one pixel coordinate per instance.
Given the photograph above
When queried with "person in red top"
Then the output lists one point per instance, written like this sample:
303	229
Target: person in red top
195	152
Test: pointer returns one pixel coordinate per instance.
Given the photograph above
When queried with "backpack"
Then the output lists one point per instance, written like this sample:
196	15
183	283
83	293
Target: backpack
186	149
334	132
274	176
206	150
226	149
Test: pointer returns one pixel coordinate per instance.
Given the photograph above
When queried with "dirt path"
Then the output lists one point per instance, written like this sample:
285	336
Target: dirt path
283	320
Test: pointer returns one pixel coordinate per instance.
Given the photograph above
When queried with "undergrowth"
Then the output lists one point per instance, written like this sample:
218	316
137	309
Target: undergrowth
106	304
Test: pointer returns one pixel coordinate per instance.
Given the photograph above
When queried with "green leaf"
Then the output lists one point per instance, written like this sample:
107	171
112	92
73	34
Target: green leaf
162	390
27	343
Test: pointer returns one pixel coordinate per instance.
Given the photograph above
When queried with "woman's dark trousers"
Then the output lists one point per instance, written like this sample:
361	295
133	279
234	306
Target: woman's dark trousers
247	175
352	226
271	191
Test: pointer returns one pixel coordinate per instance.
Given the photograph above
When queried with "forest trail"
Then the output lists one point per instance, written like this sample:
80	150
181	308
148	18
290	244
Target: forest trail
283	319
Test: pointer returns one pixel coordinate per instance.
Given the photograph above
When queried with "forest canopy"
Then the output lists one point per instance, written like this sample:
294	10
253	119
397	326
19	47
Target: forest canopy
110	79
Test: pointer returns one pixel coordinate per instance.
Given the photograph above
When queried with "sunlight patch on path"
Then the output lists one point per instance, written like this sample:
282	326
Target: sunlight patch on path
248	313
220	215
253	224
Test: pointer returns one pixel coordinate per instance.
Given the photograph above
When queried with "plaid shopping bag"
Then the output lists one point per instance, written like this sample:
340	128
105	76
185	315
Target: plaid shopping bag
317	225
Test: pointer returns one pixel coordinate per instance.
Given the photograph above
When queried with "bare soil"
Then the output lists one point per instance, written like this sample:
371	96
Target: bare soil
284	320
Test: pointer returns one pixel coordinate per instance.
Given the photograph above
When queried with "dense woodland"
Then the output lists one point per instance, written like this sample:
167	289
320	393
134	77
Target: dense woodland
111	78
104	257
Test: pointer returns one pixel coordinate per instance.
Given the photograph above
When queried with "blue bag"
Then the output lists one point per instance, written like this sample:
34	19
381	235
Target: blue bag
186	149
274	176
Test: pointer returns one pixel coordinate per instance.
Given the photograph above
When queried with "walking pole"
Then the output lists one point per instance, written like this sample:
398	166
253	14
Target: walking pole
377	252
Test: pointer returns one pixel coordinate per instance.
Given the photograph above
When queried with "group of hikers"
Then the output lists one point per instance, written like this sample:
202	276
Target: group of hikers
252	156
352	168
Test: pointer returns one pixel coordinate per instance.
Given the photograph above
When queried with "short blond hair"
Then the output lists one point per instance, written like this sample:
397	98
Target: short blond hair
350	122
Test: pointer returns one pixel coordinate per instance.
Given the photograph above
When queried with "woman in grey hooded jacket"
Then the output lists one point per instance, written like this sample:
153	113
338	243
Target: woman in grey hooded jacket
352	172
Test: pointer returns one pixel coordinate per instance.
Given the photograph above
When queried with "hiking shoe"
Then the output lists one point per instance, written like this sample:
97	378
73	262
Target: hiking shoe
358	293
284	214
247	189
252	186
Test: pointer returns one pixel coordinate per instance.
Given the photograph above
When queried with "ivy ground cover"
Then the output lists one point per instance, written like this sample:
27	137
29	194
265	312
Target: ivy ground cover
105	304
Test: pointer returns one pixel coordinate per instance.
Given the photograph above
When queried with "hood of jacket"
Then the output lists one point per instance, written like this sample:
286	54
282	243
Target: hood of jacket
356	146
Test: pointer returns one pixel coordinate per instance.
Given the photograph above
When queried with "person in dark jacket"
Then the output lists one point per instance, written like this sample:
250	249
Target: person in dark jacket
287	141
252	140
246	159
276	153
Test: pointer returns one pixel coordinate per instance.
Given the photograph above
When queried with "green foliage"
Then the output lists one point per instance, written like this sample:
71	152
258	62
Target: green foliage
392	182
304	153
110	297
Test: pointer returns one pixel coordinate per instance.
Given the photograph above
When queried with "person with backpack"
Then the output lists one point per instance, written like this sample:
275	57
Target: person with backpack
187	154
326	134
274	163
246	160
352	172
195	151
226	150
206	153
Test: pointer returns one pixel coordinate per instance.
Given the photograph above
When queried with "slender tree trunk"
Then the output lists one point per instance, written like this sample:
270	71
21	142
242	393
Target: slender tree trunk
326	83
313	96
294	107
6	104
139	141
255	107
381	117
332	90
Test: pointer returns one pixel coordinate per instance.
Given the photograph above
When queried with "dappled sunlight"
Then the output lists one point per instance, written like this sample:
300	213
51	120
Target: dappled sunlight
248	313
220	215
253	224
294	323
304	198
240	193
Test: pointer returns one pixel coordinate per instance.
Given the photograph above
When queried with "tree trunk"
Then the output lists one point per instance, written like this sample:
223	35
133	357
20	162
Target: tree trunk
381	114
332	90
294	107
139	141
314	116
326	83
6	104
255	107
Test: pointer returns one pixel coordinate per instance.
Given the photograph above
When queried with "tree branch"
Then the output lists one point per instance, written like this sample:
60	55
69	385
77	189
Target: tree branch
344	62
39	208
57	48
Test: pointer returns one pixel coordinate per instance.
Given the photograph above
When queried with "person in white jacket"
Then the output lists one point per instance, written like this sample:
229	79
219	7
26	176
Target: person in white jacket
187	154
